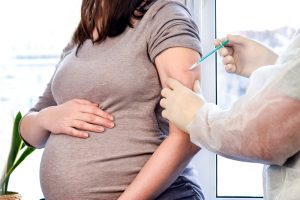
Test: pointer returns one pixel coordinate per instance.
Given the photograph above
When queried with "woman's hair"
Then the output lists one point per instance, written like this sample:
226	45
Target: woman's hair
109	17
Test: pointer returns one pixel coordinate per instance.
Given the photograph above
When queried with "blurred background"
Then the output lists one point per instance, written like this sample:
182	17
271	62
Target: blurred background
33	34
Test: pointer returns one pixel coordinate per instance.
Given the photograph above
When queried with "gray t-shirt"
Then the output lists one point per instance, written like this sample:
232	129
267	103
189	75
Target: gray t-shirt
120	75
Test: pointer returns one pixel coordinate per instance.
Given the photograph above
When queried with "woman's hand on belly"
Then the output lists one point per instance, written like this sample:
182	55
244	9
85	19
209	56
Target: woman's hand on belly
75	118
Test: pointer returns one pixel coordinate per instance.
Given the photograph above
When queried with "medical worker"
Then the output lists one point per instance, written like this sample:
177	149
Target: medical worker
263	126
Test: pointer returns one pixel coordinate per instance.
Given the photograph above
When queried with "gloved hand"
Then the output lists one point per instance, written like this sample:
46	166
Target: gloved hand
242	55
181	104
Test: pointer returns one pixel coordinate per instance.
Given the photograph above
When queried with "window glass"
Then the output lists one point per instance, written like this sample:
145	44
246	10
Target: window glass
273	23
33	34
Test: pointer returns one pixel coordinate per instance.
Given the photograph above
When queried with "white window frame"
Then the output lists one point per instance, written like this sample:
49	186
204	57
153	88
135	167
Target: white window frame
204	12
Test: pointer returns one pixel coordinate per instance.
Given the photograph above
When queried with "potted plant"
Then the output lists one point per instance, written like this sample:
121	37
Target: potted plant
18	152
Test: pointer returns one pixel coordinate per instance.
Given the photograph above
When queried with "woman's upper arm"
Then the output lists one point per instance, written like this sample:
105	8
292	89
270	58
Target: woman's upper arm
175	63
174	45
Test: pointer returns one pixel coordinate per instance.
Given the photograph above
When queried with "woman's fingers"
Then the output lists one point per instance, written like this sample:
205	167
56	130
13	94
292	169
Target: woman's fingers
75	133
96	120
77	117
84	126
92	108
96	111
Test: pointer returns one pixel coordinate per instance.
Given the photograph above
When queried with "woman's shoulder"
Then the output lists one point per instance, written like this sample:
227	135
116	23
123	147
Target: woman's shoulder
71	46
165	9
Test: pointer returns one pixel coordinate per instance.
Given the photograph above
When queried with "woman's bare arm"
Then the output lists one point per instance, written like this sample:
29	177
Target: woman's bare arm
172	156
73	118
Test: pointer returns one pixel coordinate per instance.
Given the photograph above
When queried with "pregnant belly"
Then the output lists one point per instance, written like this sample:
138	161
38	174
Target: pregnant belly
100	167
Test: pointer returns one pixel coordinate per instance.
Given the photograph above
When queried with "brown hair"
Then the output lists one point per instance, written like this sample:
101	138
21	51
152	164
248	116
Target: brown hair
109	17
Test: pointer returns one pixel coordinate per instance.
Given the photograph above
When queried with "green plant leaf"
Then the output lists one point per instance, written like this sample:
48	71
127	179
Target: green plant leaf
23	145
26	153
15	142
14	149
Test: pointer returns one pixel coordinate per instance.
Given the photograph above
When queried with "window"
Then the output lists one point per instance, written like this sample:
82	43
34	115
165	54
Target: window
33	34
273	24
274	28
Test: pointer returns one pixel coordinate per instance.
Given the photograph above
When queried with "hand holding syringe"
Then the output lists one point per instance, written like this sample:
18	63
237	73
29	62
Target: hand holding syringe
222	44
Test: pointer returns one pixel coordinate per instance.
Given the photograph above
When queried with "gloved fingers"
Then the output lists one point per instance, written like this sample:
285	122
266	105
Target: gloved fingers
230	68
163	103
235	39
165	114
225	51
228	60
218	42
166	92
197	87
173	84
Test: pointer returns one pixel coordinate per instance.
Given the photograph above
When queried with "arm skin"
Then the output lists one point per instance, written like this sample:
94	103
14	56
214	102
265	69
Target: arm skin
175	152
72	118
31	123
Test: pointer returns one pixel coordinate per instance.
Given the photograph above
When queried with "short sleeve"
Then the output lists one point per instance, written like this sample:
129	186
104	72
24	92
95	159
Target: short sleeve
47	99
171	25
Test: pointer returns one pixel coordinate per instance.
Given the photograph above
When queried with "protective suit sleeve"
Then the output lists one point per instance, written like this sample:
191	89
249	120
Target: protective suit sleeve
264	125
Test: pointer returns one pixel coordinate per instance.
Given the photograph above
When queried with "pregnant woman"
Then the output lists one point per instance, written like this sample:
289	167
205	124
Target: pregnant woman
103	133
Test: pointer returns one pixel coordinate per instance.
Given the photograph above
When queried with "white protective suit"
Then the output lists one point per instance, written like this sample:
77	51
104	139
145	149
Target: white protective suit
263	126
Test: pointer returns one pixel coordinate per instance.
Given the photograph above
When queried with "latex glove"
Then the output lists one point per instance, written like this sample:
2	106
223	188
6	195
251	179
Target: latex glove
242	55
181	104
